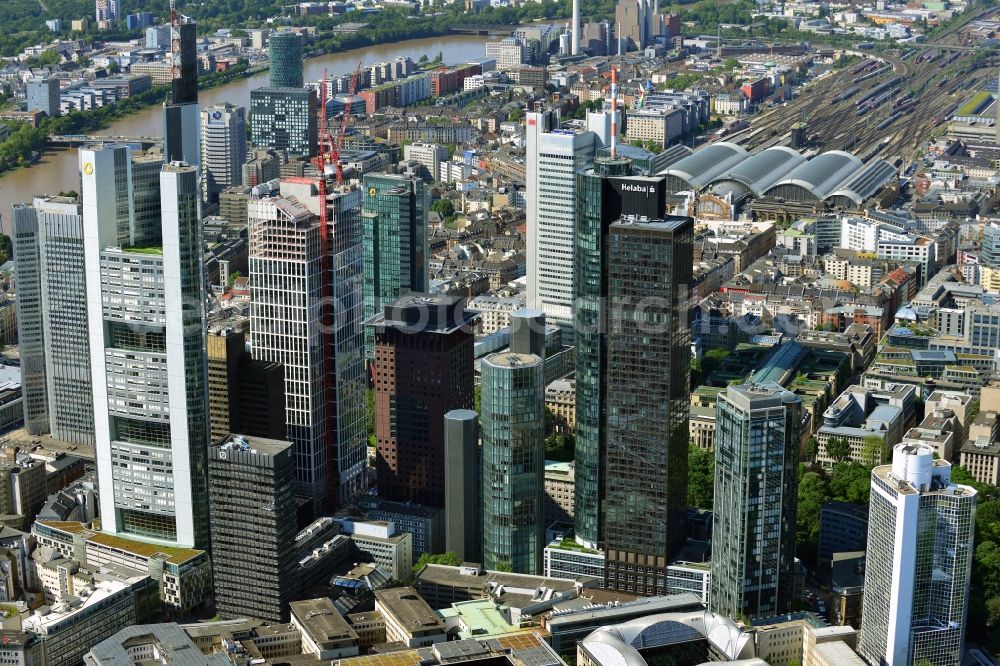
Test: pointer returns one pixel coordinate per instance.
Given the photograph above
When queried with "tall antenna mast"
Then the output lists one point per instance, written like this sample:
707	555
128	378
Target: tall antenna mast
614	111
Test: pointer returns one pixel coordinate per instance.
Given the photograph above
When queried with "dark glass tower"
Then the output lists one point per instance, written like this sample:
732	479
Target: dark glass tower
181	134
604	193
646	399
285	54
756	475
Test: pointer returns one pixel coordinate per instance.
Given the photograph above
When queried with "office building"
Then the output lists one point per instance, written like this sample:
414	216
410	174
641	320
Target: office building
284	119
513	461
106	11
43	95
394	216
48	238
756	472
253	527
30	323
423	370
224	350
553	156
180	113
168	641
462	490
145	310
604	193
284	51
918	561
223	148
646	395
634	21
408	618
286	300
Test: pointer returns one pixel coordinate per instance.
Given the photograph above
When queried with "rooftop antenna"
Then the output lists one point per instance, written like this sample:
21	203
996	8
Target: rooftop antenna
614	110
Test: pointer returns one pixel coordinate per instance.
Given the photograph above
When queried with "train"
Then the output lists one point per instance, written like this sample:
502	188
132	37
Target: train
850	92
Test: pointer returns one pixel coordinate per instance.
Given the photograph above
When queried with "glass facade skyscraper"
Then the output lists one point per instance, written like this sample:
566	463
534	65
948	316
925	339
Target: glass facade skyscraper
284	119
646	398
285	59
146	319
394	218
513	467
919	561
757	439
603	194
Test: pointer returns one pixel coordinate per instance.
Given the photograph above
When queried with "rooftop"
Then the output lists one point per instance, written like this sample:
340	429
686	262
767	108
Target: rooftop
171	642
171	554
324	624
408	608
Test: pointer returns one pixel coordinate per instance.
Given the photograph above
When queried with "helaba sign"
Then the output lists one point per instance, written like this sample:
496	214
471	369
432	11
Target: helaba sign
635	188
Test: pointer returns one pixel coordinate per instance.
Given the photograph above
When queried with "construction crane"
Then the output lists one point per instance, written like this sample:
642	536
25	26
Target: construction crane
352	89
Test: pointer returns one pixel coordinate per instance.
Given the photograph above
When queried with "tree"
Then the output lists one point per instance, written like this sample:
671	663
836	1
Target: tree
850	482
114	67
49	57
233	277
515	114
731	64
444	206
701	477
370	415
449	559
477	399
811	496
810	450
871	450
838	448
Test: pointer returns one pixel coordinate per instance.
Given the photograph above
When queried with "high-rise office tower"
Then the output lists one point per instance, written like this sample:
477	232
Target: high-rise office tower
633	23
342	325
513	461
52	322
144	220
394	217
757	441
43	95
286	308
423	369
145	310
253	527
245	396
553	156
106	11
646	398
604	193
223	148
284	119
180	113
30	324
919	560
462	488
285	59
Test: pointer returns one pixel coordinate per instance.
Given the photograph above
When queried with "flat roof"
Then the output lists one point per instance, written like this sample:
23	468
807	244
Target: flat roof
325	625
409	608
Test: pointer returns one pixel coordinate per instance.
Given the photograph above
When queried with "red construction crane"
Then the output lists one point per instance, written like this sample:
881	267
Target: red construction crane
336	148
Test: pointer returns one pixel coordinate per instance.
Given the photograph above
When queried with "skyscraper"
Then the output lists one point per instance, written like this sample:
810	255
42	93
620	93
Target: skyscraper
394	217
513	467
52	326
346	381
919	560
553	157
30	324
223	148
106	11
757	441
253	527
43	95
285	59
145	310
180	113
463	491
286	308
646	398
424	368
284	119
603	194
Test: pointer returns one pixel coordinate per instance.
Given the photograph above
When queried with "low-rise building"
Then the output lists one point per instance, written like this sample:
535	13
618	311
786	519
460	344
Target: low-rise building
380	540
408	618
560	488
981	457
325	632
167	642
560	398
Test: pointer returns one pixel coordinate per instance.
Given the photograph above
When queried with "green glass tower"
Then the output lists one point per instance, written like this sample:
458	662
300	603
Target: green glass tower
513	461
394	217
757	440
285	54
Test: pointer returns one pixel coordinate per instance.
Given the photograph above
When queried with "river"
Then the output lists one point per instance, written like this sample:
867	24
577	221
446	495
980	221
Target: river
58	169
